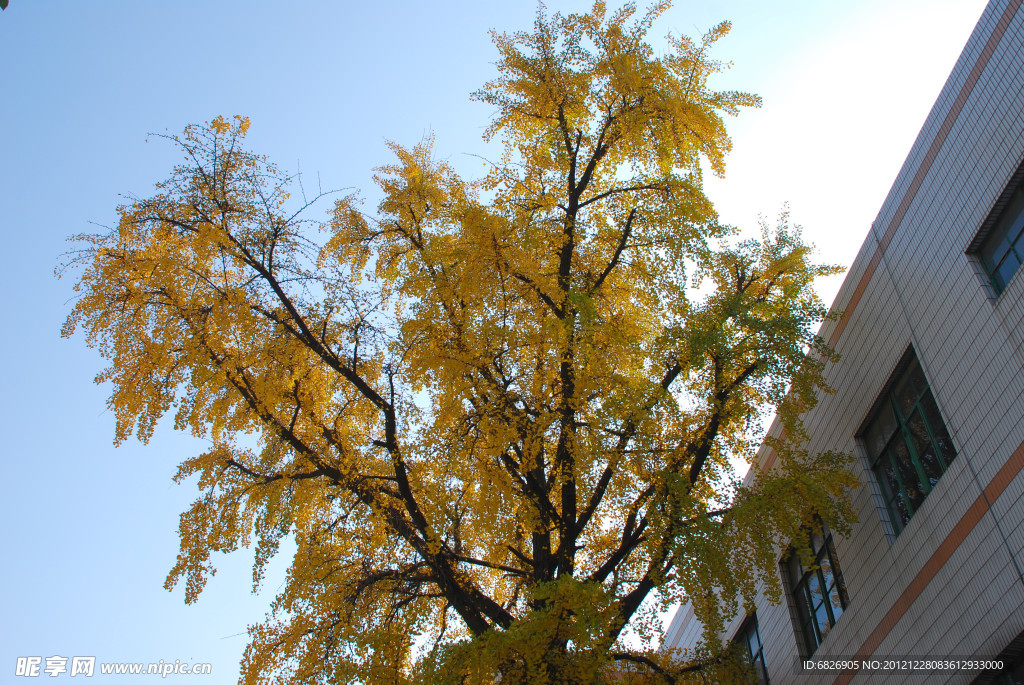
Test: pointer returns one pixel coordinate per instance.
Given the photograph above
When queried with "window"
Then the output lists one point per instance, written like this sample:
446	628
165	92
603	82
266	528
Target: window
999	245
1011	675
1012	660
750	637
819	593
907	442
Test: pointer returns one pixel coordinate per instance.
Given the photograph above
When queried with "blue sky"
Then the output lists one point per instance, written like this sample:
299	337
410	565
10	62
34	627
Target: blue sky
90	530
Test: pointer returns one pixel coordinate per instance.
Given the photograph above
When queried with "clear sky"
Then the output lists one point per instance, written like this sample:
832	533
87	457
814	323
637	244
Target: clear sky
89	530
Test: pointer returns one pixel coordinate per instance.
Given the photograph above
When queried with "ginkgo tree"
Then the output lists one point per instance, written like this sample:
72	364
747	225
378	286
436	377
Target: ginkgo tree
498	417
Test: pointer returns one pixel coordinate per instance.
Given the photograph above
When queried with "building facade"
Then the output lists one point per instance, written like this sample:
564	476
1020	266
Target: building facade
930	401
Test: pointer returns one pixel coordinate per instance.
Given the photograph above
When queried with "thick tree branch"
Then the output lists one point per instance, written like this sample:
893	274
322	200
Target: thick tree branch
625	436
627	231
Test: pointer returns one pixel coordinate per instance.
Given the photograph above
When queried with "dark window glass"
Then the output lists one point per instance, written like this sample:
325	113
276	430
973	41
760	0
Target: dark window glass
819	593
749	636
1002	251
1011	675
915	450
882	429
891	489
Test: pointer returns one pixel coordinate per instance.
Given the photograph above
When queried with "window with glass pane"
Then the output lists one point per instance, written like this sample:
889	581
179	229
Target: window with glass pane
908	443
1012	674
750	637
1000	244
819	593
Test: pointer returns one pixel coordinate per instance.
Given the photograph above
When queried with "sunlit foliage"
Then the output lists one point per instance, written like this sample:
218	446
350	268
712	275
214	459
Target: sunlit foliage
498	417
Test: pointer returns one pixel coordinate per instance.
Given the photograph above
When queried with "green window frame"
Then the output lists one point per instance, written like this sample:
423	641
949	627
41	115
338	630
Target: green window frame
907	442
999	244
1003	250
749	635
818	590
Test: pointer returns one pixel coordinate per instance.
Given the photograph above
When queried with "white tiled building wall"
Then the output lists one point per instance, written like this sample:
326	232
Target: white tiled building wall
950	583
